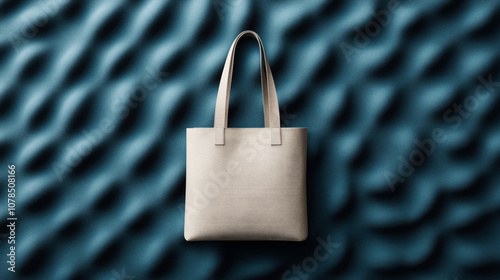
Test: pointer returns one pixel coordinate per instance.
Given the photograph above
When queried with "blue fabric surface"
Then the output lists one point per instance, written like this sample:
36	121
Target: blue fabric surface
400	99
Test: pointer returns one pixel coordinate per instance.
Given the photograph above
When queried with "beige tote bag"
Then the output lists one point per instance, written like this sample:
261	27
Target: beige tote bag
246	183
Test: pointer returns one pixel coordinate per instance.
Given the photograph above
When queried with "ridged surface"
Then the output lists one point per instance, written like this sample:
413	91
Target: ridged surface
71	68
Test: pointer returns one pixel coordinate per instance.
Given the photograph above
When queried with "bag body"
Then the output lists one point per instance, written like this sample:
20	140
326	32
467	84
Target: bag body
246	183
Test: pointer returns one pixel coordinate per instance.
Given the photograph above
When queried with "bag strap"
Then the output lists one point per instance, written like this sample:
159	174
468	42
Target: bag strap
270	98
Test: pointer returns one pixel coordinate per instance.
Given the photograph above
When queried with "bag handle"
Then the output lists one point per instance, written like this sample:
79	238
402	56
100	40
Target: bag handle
270	98
263	77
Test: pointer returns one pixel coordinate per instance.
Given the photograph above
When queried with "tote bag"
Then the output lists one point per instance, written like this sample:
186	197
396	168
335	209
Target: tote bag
246	183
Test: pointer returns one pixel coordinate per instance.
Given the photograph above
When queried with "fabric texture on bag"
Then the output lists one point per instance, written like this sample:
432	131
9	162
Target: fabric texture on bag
246	183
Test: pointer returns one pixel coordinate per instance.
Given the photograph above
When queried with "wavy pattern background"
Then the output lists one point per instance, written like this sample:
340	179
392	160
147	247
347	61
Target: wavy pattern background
95	97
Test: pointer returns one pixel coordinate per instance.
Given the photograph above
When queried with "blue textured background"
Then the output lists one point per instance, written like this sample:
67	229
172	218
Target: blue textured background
70	69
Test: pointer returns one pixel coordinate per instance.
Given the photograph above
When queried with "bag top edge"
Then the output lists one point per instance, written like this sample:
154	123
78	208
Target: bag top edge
245	127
